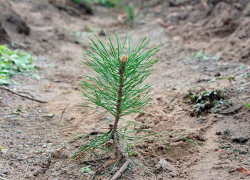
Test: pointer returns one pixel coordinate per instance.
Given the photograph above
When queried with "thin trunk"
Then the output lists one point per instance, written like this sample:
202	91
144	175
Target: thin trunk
118	107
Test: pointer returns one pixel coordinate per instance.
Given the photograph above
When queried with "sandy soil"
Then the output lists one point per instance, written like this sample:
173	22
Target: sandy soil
34	138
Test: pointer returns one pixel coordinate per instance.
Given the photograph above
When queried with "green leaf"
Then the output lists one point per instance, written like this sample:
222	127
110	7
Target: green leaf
2	49
205	93
241	67
247	105
4	81
77	1
246	75
192	97
3	150
19	131
35	76
86	170
48	115
12	62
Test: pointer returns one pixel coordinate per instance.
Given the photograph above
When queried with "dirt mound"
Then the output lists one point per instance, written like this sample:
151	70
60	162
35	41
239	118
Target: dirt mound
73	8
224	25
11	21
4	38
237	45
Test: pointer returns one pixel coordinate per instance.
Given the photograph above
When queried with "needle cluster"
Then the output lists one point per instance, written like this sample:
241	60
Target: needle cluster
120	69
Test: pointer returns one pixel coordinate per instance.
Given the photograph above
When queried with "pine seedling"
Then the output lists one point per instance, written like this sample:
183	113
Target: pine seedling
121	69
130	12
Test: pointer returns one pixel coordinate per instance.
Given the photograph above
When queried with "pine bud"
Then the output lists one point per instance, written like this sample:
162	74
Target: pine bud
124	59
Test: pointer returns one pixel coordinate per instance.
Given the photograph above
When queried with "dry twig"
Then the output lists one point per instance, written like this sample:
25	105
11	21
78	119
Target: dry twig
241	169
63	113
103	166
121	170
27	97
24	92
94	160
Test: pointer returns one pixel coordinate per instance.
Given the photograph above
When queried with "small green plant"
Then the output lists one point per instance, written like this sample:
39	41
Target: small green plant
107	3
130	12
246	75
121	71
227	131
207	101
203	56
78	1
74	35
87	170
12	62
230	79
118	87
247	105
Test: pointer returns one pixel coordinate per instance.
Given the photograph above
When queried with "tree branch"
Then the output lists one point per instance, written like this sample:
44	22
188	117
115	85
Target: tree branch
13	92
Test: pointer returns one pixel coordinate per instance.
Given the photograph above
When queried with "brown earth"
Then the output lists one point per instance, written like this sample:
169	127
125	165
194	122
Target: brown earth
57	32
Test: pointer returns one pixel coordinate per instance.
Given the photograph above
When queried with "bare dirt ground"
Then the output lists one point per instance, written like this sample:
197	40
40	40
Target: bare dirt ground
33	137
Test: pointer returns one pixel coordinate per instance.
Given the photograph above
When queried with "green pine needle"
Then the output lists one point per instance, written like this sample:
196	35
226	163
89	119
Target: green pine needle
105	59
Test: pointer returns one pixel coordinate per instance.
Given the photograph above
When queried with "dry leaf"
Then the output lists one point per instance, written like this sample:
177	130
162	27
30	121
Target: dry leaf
157	8
241	169
162	23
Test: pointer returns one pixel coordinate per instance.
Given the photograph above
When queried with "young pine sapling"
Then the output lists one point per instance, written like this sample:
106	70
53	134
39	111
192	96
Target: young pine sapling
121	69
